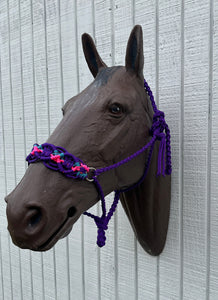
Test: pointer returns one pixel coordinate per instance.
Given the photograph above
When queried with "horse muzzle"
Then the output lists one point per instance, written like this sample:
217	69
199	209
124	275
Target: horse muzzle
32	228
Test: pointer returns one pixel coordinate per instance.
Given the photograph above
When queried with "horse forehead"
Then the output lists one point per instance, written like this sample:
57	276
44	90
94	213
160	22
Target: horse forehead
114	77
116	80
110	82
106	74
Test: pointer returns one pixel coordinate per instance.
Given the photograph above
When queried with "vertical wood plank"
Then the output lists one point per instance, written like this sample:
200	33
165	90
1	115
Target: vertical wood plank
104	37
17	124
6	138
85	23
55	98
68	42
70	88
1	274
32	261
126	254
145	16
2	180
5	273
40	70
28	88
170	102
49	257
43	265
213	115
196	20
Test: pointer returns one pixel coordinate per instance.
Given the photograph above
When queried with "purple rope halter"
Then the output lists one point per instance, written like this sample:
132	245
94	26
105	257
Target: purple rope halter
58	159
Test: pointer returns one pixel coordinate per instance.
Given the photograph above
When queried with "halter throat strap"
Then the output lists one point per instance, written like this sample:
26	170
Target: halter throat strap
59	159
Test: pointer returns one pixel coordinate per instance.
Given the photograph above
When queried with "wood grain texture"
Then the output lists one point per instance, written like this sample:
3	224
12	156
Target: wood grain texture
147	266
32	262
171	102
213	162
89	253
11	38
108	268
58	258
126	244
6	279
70	88
42	66
44	262
196	93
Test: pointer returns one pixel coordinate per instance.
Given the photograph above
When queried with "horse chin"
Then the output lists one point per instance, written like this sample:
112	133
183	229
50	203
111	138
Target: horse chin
64	229
66	233
61	232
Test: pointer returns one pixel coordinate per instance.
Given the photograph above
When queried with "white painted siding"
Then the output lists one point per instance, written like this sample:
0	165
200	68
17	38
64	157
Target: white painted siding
42	66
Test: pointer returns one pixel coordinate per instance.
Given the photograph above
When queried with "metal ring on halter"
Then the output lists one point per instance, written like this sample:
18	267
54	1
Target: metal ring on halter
91	179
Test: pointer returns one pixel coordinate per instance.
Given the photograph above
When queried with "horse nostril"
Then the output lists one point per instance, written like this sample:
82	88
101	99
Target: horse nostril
35	217
71	211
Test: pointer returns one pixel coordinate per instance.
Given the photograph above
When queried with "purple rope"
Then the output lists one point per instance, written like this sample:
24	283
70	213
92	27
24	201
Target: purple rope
157	131
102	222
58	159
144	174
124	161
158	126
73	167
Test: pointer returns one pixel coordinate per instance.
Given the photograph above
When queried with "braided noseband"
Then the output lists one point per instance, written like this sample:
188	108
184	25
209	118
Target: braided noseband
58	159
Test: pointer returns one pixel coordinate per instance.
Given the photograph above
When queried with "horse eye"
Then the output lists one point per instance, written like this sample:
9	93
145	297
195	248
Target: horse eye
116	109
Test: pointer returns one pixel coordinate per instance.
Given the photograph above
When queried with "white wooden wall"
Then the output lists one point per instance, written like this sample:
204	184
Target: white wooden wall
42	66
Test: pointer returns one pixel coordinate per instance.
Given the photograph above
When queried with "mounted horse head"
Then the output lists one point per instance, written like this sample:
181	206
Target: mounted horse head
114	127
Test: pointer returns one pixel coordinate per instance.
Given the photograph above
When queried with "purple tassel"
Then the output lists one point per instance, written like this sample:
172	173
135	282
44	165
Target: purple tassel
161	155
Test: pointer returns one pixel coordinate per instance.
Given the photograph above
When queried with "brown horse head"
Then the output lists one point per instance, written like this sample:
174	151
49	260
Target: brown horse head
102	125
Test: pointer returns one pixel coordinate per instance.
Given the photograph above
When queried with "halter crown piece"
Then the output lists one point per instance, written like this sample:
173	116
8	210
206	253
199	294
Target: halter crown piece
58	159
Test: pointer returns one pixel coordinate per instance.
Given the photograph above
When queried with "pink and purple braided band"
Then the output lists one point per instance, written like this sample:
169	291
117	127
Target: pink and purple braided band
58	159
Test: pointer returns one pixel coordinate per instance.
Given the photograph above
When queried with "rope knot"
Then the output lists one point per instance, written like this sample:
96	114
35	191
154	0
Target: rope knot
101	223
159	114
102	227
160	130
160	136
159	124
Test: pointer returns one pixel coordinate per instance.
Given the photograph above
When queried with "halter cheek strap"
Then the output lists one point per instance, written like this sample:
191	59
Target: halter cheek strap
59	159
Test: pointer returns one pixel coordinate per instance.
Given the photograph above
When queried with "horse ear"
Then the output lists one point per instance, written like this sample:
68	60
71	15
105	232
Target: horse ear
134	52
92	57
